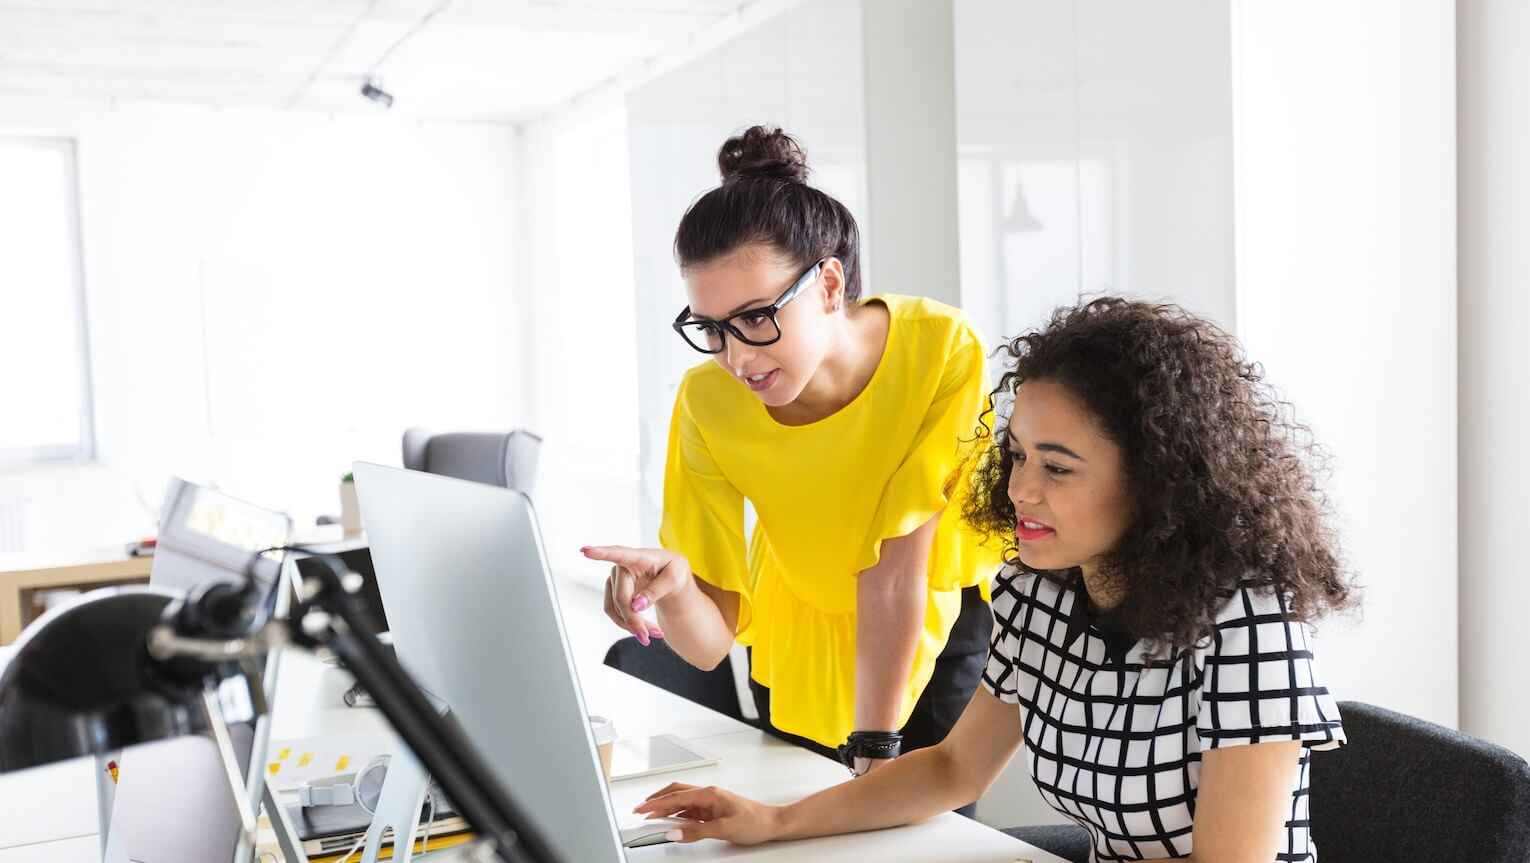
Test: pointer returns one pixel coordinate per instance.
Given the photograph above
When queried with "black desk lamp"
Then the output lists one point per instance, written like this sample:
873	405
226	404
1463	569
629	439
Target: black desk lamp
123	666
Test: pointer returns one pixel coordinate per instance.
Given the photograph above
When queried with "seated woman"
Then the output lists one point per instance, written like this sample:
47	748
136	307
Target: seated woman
1150	646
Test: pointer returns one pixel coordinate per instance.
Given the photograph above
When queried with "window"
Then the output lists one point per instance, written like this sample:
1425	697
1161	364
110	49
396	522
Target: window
44	385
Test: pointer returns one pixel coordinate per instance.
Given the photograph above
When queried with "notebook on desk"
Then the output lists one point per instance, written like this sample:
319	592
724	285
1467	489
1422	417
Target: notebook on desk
431	843
326	830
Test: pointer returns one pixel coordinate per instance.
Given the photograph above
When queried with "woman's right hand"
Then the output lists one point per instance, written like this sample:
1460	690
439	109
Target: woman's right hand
713	814
639	579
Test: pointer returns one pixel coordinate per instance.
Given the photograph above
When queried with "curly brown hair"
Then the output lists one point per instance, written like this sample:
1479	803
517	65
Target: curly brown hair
1223	482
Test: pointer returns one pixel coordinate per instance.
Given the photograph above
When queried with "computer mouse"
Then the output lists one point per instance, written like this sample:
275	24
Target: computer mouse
649	832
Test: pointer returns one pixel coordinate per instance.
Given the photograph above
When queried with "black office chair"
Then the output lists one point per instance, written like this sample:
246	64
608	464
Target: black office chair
660	665
1406	789
505	459
1068	841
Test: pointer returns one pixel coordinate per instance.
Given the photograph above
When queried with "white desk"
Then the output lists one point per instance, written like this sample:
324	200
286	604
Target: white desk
48	815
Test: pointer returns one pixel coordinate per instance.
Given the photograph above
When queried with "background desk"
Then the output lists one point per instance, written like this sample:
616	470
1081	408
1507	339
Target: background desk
23	574
48	815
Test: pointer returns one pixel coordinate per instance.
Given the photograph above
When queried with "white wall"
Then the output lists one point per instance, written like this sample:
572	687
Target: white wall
271	295
1493	138
801	70
1109	125
909	105
1345	162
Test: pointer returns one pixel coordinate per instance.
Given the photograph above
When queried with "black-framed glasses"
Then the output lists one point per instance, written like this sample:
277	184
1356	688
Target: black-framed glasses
756	326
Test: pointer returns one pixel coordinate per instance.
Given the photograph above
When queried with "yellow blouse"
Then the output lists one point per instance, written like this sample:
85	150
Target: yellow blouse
827	494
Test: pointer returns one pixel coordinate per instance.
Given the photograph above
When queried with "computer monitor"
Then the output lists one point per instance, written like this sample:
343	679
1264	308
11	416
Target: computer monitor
359	561
173	802
475	620
206	535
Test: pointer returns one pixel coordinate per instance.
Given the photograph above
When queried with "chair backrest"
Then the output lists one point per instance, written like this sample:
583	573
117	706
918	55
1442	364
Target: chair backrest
660	665
505	459
1406	789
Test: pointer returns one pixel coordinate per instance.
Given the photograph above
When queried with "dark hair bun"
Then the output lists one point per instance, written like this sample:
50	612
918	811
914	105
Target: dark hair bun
763	152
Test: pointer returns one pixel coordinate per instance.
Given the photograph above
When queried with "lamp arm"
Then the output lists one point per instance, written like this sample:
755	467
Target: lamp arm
166	645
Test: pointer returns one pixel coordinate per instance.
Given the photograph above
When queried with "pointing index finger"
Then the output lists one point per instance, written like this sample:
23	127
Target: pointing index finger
618	554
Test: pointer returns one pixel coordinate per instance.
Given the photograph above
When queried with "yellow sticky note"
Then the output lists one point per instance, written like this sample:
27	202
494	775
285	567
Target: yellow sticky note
275	767
307	757
283	755
340	765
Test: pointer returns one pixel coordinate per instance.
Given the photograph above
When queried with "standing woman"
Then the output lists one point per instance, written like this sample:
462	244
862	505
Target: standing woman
862	597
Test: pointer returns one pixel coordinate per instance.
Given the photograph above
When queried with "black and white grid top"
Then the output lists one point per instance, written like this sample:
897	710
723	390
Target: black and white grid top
1114	740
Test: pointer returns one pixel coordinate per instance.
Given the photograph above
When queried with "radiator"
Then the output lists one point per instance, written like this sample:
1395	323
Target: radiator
13	523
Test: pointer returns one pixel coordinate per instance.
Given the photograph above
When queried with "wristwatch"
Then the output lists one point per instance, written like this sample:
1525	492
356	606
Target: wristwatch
864	747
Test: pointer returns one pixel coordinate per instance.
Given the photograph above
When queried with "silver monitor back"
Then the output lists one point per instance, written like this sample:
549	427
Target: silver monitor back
474	615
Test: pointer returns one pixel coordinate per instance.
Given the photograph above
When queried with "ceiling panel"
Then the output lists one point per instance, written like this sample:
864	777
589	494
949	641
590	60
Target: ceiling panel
497	60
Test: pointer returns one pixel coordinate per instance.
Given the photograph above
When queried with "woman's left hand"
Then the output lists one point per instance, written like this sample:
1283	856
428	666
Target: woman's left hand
714	814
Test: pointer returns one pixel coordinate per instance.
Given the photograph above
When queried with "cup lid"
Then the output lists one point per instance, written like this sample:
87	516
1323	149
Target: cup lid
603	729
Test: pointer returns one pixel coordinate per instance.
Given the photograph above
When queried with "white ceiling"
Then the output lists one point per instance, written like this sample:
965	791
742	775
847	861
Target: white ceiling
495	60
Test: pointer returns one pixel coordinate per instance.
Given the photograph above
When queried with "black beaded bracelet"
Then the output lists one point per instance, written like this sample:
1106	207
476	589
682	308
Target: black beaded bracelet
875	745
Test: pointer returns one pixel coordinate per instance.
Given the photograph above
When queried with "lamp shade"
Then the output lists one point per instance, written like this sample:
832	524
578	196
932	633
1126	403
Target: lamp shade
81	682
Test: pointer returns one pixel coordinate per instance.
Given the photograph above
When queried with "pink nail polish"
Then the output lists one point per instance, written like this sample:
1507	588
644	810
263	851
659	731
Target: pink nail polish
654	633
639	603
642	639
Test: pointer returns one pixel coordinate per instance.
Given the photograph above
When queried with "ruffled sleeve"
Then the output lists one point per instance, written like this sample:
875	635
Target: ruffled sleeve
928	478
703	512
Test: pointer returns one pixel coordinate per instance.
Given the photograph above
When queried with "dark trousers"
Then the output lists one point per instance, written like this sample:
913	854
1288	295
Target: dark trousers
958	670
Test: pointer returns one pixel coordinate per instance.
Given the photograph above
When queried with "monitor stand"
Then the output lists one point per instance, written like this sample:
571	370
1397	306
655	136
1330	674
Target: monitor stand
403	796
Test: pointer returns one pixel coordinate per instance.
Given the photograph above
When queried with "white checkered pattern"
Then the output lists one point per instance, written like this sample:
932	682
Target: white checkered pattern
1114	741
